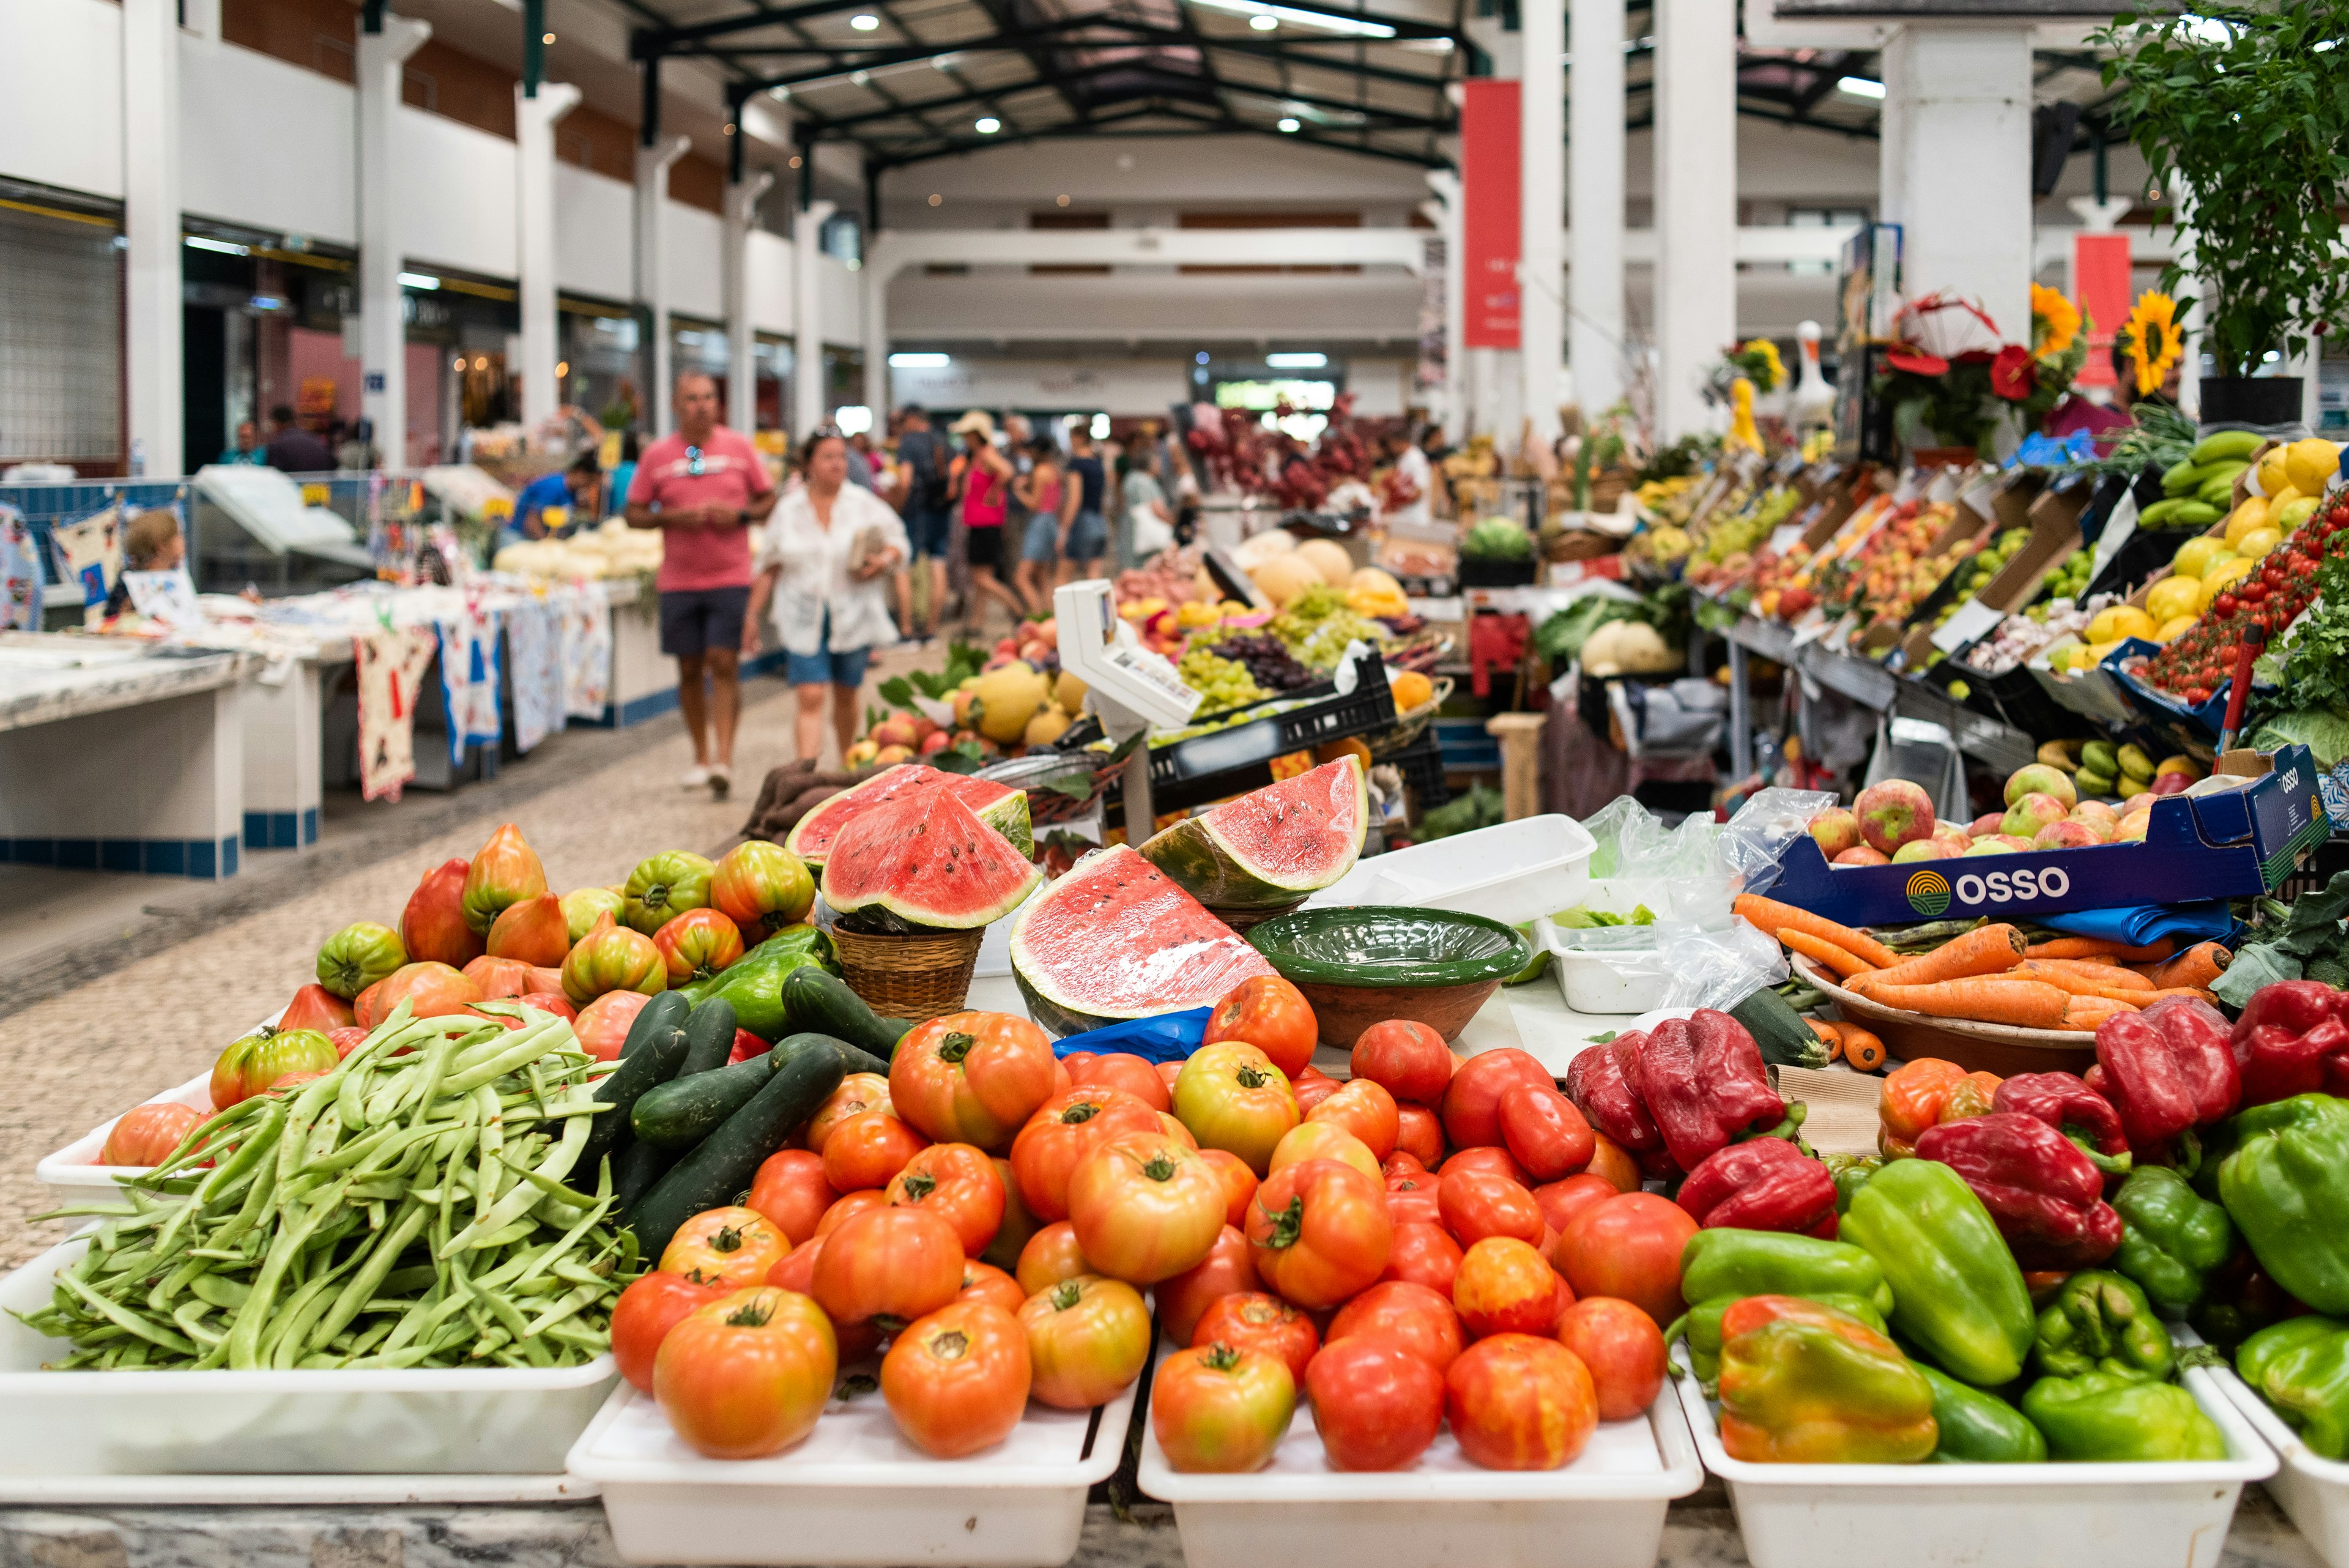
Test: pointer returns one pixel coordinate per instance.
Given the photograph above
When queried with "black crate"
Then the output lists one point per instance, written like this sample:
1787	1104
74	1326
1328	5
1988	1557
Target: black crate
1422	766
1229	760
2026	705
1499	573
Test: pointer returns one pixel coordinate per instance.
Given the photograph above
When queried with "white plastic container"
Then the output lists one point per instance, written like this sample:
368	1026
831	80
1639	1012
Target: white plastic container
854	1491
1605	1510
1990	1516
1631	980
2312	1490
467	1421
1510	872
72	1175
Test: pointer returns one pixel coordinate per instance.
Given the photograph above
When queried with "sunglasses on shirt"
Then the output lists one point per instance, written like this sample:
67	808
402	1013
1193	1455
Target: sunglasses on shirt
693	463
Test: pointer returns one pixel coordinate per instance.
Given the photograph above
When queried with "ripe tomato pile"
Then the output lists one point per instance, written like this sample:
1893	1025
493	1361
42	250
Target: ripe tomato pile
2197	663
1413	1247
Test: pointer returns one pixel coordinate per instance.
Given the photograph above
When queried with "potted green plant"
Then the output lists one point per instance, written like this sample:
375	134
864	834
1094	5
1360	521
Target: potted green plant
2246	107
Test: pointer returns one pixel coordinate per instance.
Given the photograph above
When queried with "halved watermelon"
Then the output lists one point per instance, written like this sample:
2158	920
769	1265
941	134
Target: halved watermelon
1273	845
928	859
1004	810
1116	939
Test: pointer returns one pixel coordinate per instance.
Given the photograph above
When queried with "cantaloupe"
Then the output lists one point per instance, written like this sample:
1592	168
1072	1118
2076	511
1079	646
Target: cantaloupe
1259	548
1008	698
1283	577
1329	558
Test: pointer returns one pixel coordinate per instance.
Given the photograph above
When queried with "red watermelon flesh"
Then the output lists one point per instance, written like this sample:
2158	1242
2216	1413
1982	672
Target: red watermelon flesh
1003	809
926	859
1116	938
1272	847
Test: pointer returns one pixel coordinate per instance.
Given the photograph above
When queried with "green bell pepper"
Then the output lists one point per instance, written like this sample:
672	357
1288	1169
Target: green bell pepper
1956	1293
1726	1261
2287	1187
2301	1368
754	983
2101	1417
1700	1327
2101	1322
2170	1238
1851	1172
1978	1428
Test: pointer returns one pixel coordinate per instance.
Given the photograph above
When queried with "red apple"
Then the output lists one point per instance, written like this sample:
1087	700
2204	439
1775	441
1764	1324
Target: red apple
1895	812
1836	829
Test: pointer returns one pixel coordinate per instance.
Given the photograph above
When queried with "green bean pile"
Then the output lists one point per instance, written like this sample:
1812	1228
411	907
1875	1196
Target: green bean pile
408	1209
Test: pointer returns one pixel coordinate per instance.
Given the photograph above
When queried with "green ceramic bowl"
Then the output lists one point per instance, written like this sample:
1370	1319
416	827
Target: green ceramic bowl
1364	964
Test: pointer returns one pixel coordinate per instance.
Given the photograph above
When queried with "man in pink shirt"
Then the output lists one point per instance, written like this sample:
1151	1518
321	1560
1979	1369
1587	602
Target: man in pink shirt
703	487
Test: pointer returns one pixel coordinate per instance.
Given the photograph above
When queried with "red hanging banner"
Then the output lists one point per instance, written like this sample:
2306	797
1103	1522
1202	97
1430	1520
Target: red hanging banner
1489	228
2100	279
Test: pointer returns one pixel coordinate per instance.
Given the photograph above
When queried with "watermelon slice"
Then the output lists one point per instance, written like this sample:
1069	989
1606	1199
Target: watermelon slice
1004	810
1273	845
926	859
1116	939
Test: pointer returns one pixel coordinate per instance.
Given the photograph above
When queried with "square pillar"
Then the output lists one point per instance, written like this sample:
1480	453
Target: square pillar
652	284
1541	208
810	405
1696	204
151	227
1955	165
1594	291
383	327
534	120
742	334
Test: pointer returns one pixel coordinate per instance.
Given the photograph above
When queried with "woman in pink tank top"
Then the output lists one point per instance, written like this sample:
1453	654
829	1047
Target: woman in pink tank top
982	474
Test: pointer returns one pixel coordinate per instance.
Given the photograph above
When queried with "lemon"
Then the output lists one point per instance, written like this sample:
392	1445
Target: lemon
2273	479
2119	622
2172	597
2222	577
2252	516
2221	561
2195	556
2174	626
2258	543
2310	464
2292	513
2095	653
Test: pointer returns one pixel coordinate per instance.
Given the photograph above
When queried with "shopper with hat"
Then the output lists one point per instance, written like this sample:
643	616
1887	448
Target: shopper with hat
982	480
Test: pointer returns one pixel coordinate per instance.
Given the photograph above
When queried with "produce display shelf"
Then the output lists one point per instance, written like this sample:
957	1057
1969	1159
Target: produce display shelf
2310	1488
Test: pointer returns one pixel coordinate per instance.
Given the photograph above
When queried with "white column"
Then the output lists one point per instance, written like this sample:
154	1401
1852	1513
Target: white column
742	332
151	226
1955	165
1594	279
809	404
534	117
652	283
202	19
1454	408
383	331
1541	186
875	285
1696	203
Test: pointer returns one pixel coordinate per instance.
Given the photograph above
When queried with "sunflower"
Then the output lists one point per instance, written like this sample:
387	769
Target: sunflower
2054	322
2153	339
1769	371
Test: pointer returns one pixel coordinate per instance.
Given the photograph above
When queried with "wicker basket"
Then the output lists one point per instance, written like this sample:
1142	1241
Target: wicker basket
911	977
1411	723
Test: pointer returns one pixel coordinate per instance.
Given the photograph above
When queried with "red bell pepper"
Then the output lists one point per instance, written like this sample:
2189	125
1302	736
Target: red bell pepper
2065	1103
2293	1039
1597	1082
1703	1080
2169	1070
1763	1184
2044	1194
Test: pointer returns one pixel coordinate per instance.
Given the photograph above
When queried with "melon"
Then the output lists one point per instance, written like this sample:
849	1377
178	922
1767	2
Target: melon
1004	810
1328	557
1283	577
928	860
1257	548
1272	847
1008	698
1115	939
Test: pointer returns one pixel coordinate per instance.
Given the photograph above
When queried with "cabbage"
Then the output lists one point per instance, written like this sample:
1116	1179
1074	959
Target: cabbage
1498	539
2324	731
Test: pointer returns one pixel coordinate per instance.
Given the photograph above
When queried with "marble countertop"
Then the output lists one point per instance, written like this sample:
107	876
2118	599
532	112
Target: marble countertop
43	686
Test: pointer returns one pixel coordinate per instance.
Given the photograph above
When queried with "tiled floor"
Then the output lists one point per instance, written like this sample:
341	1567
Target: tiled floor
153	1010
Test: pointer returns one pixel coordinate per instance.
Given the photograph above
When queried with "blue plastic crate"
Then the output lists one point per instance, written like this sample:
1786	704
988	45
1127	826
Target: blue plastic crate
1466	747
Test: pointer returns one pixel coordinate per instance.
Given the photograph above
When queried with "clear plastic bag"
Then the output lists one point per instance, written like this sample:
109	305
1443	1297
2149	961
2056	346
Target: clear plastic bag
1758	834
1719	968
1676	871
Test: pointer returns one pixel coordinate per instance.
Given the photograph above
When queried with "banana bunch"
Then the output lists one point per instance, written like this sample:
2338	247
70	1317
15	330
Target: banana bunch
2100	768
2198	490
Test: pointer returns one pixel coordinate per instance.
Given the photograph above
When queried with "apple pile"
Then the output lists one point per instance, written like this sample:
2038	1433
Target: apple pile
1893	823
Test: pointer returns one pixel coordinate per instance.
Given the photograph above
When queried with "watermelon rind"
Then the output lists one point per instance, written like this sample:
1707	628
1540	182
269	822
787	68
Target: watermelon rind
1204	855
811	838
1118	946
901	857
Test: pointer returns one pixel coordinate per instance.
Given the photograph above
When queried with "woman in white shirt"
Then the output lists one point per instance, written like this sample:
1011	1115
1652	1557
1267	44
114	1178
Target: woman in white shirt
826	560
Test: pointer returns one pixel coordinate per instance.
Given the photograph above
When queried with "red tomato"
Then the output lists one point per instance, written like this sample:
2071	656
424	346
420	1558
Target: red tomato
1228	1268
1366	1110
747	1375
1472	1101
1167	1072
1220	1409
698	944
1421	1131
1401	1163
797	1272
1505	1286
1172	1126
958	1184
1270	1014
1561	1201
1087	1339
1376	1405
265	1058
1063	1131
1050	1256
1145	1207
556	1002
1622	1349
1324	1141
1075	1059
1413	1200
434	990
1017	1225
1402	1313
1519	1402
1240	1184
1311	1089
602	1026
956	1381
1498	1161
652	1305
1232	1097
1423	1255
1251	1320
790	1190
496	977
746	1045
349	1040
1629	1246
1320	1232
315	1007
1476	1204
971	1077
888	1264
146	1135
731	1247
1122	1070
986	1282
1409	1060
869	1149
847	1206
1544	1132
857	1093
1614	1162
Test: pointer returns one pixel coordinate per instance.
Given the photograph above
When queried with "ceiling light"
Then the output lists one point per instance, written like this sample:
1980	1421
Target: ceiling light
546	38
480	362
457	365
563	369
780	94
1287	125
1860	87
918	362
1264	23
986	125
865	21
936	198
1296	361
1353	27
1059	201
860	77
419	280
203	243
730	130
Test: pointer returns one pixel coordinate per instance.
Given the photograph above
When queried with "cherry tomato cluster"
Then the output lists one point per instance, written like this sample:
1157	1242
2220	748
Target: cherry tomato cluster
2199	662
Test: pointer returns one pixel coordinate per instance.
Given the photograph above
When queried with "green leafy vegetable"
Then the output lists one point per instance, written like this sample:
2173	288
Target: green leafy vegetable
2309	940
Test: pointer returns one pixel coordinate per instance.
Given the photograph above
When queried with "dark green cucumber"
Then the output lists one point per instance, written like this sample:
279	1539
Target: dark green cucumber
820	1002
664	1014
681	1113
723	1165
859	1061
1785	1039
709	1038
635	1171
622	1088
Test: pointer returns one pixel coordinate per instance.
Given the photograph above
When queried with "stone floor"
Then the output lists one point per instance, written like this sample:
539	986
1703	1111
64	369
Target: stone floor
145	998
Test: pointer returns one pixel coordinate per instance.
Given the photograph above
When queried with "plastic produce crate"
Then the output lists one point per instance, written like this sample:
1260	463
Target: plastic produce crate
1239	758
2312	1490
1466	747
1422	766
72	1174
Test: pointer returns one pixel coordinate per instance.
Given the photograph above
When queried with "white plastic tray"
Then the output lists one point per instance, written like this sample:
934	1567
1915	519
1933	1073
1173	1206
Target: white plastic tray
73	1175
77	1427
1605	1510
1603	981
1511	872
2312	1489
1990	1516
853	1493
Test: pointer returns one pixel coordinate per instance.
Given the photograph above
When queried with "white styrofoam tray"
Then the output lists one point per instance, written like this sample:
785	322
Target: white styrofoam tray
1605	1510
1973	1516
73	1175
854	1491
2312	1489
1511	872
393	1424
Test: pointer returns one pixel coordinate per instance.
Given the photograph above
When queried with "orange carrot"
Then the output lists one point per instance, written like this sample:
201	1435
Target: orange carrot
1831	1034
1774	917
1863	1051
2080	984
1844	962
2197	965
2104	971
2196	992
2086	1014
2025	1003
2096	947
1985	949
